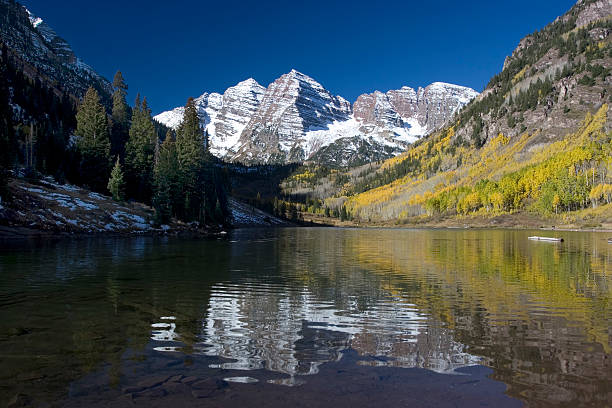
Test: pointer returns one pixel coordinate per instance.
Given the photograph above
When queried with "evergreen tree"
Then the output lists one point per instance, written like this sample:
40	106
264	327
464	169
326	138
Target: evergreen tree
139	152
190	154
6	127
120	116
166	197
206	142
343	214
293	213
116	184
93	142
218	215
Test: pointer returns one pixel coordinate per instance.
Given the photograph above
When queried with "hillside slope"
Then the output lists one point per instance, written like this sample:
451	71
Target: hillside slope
537	139
43	55
47	208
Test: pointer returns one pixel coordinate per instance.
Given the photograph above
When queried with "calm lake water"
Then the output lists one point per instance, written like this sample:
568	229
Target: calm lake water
309	317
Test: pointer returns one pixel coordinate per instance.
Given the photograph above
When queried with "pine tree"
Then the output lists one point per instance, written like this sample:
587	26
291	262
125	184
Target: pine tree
218	210
116	184
166	197
139	152
343	214
293	213
120	116
6	127
93	142
190	154
206	142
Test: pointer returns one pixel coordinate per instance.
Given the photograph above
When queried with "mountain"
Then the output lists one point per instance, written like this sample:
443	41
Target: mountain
292	106
44	55
537	140
224	116
295	119
421	111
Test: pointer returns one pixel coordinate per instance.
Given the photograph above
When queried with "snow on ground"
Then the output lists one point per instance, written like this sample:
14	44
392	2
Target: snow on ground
97	196
126	220
245	215
63	219
62	199
86	205
68	187
76	209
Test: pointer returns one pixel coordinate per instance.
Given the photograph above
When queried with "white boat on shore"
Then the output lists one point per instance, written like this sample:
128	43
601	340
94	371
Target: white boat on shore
547	239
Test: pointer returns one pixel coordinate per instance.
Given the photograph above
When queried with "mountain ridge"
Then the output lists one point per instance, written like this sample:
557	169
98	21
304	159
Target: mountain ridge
45	55
295	117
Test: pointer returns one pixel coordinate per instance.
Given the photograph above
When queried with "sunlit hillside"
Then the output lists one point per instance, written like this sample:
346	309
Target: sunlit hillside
536	141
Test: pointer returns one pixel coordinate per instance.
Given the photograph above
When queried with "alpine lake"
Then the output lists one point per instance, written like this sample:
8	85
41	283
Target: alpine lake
309	317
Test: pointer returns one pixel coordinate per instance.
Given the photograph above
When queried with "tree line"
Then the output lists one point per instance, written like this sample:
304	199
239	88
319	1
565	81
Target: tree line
574	178
118	150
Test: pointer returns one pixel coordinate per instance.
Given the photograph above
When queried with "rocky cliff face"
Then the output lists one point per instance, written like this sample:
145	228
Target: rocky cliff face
549	82
223	116
293	105
239	104
296	119
419	112
590	11
44	54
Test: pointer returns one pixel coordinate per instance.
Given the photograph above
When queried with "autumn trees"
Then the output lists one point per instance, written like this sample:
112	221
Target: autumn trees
601	194
574	174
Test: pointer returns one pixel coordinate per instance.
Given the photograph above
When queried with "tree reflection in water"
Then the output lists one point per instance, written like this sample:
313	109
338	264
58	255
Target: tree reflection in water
289	301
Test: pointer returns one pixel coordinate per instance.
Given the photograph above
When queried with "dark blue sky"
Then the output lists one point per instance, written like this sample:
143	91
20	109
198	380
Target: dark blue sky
170	50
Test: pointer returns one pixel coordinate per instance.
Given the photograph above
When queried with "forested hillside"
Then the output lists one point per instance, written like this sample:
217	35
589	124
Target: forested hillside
46	131
537	140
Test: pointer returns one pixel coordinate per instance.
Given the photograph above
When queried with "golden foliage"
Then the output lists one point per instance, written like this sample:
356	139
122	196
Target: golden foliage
493	178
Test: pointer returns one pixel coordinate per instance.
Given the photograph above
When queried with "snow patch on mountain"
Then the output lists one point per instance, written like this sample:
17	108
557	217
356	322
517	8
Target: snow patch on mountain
295	116
171	118
224	117
33	19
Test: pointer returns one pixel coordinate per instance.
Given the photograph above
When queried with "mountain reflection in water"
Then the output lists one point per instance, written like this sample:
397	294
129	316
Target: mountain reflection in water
291	302
292	332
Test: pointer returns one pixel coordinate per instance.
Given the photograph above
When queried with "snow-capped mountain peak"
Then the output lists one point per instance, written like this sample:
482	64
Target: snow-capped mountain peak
295	117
